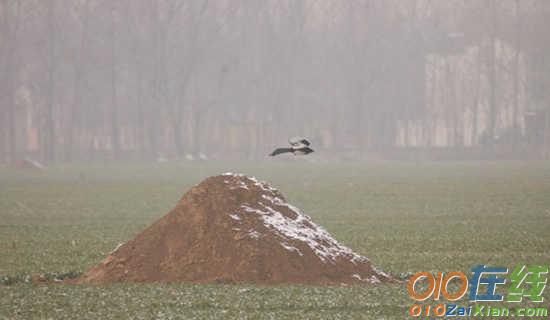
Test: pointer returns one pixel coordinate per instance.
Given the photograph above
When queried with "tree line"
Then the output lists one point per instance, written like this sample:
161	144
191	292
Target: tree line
87	80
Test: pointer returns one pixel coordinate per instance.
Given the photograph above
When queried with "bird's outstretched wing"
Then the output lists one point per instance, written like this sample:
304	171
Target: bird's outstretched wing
298	141
303	151
280	150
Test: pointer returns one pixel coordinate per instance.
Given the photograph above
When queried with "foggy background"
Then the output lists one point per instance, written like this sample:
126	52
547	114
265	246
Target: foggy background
101	80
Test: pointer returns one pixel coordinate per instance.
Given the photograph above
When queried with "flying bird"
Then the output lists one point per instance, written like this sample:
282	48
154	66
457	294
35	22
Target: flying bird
298	146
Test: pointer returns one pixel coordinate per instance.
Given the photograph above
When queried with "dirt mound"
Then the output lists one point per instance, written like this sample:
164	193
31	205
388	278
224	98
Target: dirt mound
234	229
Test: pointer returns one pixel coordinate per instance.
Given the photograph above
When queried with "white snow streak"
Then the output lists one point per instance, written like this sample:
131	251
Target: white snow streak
235	217
301	228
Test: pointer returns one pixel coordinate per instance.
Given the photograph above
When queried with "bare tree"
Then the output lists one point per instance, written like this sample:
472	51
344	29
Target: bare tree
11	16
50	138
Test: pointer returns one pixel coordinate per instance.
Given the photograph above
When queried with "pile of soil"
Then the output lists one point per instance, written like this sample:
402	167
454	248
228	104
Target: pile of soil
234	229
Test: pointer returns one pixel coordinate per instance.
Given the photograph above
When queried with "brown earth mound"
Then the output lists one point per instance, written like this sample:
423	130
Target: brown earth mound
234	229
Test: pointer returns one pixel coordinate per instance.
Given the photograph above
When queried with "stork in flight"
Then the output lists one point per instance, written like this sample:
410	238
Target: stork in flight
298	146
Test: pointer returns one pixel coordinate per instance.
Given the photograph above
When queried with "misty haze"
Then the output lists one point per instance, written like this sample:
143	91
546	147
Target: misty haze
95	80
274	159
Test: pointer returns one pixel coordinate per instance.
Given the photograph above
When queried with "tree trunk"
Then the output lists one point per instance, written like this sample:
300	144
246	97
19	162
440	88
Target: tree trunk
11	121
196	132
475	124
11	76
546	145
429	119
50	144
452	113
178	141
154	113
140	131
80	70
3	135
492	73
515	122
115	134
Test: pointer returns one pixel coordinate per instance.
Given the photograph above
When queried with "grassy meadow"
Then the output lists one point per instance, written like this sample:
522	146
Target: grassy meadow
405	217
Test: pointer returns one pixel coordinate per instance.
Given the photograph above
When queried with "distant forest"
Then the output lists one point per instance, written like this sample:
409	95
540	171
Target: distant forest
102	80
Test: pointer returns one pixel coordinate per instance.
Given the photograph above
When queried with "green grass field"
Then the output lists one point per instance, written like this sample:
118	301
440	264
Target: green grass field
405	217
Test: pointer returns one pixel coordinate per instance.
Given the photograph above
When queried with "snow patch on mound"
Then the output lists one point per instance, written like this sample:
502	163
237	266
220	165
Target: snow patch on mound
303	229
261	184
372	279
297	227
